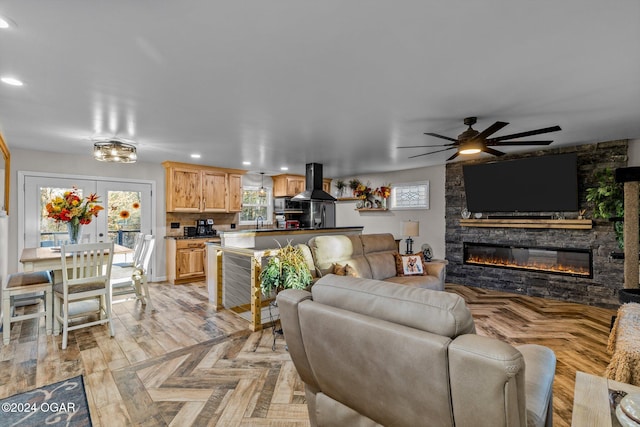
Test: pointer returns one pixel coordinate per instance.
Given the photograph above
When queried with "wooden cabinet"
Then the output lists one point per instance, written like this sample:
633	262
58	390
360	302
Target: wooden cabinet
290	185
195	188
186	260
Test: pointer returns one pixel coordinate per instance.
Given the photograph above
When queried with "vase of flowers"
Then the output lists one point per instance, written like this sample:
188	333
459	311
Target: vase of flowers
73	210
384	191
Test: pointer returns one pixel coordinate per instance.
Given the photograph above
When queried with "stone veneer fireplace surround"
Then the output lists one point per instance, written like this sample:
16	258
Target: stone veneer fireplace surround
598	287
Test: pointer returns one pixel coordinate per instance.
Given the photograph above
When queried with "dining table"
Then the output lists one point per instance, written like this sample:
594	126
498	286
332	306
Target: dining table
48	258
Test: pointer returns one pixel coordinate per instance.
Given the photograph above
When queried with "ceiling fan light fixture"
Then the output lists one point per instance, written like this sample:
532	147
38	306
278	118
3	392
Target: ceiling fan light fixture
114	151
471	147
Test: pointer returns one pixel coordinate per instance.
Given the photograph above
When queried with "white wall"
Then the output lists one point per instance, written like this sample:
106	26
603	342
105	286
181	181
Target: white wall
432	220
41	161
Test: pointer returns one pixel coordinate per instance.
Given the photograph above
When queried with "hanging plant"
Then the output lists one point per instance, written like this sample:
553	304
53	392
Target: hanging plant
287	269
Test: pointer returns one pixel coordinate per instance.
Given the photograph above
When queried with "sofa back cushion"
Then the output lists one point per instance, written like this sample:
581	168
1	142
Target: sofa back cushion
339	249
437	312
308	258
380	250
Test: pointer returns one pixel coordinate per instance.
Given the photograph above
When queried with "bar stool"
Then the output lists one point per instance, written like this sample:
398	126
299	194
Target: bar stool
21	284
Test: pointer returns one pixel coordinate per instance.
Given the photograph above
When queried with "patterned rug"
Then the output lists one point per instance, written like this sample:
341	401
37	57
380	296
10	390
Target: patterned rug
60	404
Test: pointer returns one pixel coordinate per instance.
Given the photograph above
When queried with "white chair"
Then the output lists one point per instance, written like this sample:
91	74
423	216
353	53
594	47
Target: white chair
138	279
137	253
85	289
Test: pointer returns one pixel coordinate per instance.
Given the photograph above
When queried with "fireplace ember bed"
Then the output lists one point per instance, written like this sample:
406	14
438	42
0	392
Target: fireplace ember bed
571	262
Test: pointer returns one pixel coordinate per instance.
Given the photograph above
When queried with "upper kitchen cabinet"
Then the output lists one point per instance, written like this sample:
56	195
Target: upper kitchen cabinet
289	185
196	188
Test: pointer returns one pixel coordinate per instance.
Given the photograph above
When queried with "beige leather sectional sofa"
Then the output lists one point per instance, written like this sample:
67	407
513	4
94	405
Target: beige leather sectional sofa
369	256
373	353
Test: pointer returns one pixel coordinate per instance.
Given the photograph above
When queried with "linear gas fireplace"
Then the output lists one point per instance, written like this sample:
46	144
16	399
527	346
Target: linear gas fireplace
572	262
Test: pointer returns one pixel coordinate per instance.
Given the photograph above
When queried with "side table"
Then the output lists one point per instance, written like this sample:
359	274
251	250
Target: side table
591	400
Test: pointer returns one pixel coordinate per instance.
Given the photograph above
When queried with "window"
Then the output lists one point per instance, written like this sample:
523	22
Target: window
255	207
411	195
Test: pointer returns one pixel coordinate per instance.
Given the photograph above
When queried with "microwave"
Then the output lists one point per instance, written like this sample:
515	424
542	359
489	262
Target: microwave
285	204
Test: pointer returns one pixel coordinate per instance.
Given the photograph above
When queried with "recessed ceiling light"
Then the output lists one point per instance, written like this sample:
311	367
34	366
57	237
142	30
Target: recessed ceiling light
284	168
195	156
6	23
11	81
246	163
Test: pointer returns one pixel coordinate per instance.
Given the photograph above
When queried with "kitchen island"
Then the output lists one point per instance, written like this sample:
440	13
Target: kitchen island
234	265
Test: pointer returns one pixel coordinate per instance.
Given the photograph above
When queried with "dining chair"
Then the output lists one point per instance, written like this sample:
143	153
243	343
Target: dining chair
138	280
84	290
18	284
137	251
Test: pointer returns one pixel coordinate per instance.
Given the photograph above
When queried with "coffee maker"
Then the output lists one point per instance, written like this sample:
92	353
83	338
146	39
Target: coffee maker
204	227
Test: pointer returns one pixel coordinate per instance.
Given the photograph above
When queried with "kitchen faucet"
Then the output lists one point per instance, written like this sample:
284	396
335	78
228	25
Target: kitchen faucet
259	222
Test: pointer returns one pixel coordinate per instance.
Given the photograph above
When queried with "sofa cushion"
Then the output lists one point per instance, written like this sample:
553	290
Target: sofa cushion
379	250
426	282
409	265
437	312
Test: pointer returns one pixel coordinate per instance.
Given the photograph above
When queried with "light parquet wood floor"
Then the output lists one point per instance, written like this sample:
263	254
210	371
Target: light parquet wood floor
187	364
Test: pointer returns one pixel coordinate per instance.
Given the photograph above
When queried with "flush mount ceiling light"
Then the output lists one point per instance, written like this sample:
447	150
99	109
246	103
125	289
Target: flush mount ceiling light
114	150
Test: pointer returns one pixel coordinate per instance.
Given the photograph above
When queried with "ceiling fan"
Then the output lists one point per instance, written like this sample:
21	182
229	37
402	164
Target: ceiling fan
471	141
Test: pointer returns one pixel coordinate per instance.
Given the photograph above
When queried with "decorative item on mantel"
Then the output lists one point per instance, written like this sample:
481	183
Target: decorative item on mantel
70	209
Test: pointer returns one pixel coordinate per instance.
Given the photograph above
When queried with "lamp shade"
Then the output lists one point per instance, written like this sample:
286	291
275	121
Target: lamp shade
410	228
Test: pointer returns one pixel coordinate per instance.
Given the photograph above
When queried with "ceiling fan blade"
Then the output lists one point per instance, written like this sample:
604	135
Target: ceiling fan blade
440	136
492	151
454	156
529	133
425	146
504	143
431	152
491	130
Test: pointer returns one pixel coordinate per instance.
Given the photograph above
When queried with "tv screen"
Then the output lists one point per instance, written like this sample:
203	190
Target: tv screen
533	184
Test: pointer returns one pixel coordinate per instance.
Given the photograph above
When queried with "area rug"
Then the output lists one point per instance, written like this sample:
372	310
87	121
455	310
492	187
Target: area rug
60	404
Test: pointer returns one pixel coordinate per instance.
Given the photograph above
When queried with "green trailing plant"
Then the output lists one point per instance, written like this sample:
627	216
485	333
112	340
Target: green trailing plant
286	269
608	200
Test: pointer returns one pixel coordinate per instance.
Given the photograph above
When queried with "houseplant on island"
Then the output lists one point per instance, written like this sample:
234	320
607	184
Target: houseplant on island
286	269
73	210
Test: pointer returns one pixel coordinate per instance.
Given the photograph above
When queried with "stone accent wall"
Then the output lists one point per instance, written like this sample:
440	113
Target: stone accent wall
601	290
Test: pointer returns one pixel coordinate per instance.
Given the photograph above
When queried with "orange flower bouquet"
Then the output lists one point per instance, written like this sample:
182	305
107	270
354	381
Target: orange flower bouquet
383	191
73	210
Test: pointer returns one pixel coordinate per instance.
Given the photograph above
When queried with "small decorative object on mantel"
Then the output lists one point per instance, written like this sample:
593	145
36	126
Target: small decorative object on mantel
466	214
71	209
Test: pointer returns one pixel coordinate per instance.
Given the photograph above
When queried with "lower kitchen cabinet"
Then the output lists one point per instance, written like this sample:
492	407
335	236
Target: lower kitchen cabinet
186	260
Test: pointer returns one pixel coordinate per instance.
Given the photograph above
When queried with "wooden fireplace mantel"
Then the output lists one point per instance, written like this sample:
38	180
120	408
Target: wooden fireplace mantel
572	224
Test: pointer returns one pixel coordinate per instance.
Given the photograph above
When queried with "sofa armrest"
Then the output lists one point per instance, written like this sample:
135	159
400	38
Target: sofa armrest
487	382
288	303
540	363
437	269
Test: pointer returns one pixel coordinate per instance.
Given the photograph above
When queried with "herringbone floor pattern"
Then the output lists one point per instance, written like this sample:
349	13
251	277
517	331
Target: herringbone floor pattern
189	365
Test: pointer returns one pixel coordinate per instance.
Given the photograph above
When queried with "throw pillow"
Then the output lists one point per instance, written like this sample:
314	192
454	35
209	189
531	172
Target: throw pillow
339	270
409	265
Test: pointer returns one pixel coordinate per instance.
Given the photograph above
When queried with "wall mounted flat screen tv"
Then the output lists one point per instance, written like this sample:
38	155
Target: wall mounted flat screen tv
533	184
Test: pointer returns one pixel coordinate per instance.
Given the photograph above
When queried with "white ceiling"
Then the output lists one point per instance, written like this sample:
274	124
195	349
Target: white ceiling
288	82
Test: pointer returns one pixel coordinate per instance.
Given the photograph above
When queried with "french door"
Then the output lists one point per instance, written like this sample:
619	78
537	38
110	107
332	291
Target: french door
128	209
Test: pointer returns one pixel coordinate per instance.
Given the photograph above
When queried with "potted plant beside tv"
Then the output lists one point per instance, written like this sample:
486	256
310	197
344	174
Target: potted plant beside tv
286	269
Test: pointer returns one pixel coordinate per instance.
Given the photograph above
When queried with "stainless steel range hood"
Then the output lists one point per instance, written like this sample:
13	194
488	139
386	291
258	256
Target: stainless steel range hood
313	185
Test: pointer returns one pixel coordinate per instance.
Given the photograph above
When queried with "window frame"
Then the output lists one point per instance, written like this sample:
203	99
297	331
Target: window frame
392	199
268	203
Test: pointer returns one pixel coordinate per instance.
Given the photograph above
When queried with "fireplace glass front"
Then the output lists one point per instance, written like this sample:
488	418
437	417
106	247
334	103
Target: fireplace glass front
573	262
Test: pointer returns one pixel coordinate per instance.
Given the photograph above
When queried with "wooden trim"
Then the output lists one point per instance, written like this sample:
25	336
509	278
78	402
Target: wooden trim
573	224
256	296
170	164
7	171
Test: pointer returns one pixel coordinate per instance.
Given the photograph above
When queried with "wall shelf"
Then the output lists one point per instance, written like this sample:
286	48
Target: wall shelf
347	199
372	210
573	224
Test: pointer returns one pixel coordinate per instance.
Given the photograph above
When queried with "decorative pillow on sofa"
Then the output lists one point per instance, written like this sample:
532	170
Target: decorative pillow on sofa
409	265
343	270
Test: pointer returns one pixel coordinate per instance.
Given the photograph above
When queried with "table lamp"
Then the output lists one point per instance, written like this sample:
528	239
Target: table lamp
410	228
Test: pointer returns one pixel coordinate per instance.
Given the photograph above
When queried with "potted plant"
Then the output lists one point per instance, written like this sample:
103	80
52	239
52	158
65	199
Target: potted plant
608	201
354	184
286	269
340	186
